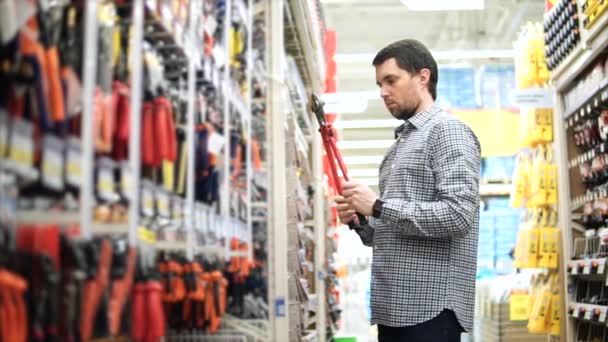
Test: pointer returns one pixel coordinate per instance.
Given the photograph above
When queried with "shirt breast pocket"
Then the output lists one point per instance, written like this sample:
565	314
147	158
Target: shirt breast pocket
411	175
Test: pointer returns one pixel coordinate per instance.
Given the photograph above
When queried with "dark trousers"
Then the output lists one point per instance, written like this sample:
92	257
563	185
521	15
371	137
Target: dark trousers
443	328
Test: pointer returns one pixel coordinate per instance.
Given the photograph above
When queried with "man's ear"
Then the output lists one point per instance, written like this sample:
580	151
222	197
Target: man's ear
425	77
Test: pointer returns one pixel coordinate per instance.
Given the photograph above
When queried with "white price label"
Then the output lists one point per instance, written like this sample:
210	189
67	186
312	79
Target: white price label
22	145
602	317
177	208
575	311
215	143
162	203
105	183
4	122
147	201
601	266
126	180
52	163
73	163
574	269
588	312
587	267
534	98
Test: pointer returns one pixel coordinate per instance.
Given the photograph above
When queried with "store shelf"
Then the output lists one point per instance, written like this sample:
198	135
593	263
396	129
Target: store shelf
592	269
242	325
171	245
585	106
47	217
588	312
592	45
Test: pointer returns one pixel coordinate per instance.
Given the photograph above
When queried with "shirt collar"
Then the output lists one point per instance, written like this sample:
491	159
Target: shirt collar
418	120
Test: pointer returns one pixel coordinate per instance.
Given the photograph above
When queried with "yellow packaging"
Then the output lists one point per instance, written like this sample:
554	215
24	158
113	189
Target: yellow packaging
551	176
519	306
548	130
532	257
522	250
544	253
540	311
555	322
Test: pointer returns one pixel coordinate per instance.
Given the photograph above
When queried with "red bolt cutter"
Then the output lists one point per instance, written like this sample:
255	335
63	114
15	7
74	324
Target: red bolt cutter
333	154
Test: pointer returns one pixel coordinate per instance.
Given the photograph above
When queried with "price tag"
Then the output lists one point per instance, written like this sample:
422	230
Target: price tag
4	129
587	267
215	143
73	163
126	180
177	208
574	268
52	163
603	312
147	235
147	201
22	146
162	203
588	312
105	180
518	307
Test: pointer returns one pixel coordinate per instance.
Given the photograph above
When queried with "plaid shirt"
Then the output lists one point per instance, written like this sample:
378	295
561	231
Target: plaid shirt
425	241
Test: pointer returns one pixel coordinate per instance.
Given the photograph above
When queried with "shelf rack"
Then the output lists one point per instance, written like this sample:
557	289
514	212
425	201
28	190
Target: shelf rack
571	195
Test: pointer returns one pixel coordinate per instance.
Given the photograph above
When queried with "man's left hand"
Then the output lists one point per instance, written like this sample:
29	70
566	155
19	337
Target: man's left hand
360	197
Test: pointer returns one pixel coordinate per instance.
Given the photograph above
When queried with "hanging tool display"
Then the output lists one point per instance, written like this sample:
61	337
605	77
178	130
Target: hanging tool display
333	154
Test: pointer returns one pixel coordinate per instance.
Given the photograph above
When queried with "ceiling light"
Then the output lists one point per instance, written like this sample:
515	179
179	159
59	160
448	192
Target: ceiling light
443	5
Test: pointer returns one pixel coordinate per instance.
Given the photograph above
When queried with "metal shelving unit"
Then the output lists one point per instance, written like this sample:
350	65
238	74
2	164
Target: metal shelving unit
571	191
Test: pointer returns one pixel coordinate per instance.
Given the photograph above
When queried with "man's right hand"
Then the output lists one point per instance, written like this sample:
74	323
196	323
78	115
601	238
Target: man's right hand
345	213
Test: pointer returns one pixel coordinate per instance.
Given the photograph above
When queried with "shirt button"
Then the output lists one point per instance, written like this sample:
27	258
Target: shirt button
401	140
392	166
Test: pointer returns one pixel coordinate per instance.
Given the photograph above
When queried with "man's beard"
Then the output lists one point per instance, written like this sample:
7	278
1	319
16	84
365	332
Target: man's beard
403	113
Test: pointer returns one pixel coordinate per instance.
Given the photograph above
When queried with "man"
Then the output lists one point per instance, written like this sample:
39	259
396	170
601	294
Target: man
424	224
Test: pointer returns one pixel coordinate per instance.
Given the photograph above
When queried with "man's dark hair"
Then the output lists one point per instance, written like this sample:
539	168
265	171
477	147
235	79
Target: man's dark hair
411	56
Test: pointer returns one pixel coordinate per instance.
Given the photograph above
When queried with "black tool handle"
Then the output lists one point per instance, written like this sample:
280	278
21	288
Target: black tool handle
362	222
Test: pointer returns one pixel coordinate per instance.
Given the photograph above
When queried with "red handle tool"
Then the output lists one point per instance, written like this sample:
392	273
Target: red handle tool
333	154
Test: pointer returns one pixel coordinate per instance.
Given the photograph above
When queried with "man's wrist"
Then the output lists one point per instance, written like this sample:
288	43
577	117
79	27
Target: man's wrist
377	208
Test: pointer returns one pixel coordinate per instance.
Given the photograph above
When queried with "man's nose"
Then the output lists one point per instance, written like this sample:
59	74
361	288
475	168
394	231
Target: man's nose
384	92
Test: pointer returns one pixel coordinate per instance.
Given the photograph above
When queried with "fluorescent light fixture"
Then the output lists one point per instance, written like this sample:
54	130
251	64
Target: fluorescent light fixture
439	55
342	124
360	160
443	5
364	144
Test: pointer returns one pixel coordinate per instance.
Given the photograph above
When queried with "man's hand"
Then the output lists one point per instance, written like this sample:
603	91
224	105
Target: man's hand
345	213
360	197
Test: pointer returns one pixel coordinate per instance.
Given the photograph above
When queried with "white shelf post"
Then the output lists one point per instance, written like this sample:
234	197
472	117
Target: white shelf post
88	93
135	118
278	298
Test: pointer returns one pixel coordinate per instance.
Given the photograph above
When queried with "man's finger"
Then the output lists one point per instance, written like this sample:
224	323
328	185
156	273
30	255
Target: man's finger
343	207
348	193
348	185
339	199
